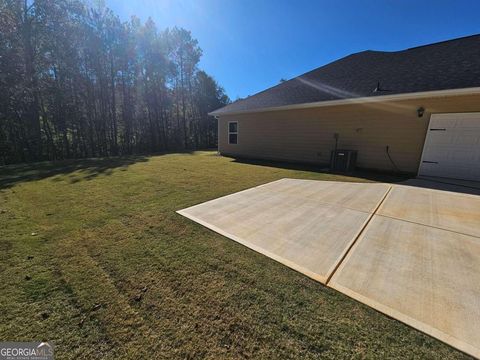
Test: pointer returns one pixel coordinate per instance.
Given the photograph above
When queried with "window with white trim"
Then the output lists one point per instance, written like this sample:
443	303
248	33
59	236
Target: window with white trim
233	132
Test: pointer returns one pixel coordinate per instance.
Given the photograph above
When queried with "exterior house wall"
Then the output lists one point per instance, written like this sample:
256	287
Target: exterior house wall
307	135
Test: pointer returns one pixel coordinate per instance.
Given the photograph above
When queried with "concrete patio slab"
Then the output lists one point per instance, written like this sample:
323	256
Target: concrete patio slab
412	253
356	196
426	277
442	209
306	225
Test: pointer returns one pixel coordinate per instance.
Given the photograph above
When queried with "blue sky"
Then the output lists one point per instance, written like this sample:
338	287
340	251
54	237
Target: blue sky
249	46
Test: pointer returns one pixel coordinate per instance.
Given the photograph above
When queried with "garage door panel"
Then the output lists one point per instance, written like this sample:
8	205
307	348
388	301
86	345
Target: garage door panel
461	157
454	120
466	140
452	147
460	138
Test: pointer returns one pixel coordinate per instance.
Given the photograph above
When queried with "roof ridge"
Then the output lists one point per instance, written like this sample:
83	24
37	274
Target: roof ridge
441	42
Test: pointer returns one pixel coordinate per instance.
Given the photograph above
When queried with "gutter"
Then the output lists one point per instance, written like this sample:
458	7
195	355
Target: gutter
359	100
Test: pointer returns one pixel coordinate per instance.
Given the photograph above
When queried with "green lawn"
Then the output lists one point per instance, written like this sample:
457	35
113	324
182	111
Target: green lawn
94	257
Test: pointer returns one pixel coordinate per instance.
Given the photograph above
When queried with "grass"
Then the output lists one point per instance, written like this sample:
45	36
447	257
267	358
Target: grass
94	257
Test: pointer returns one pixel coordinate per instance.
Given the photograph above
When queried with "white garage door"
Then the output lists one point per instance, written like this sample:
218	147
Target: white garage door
452	147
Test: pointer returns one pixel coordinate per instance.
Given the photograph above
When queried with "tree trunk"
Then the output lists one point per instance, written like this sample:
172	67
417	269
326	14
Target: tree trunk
34	132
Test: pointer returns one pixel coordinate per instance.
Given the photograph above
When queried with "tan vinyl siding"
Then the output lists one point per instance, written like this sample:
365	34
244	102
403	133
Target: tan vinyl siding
307	135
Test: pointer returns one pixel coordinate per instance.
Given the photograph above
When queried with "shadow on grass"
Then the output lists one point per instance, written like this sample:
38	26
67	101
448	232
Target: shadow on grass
363	174
87	169
458	186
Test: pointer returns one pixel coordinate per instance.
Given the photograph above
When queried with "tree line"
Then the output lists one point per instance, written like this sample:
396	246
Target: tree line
76	82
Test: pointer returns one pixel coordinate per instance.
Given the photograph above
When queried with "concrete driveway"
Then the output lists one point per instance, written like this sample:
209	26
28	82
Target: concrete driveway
412	253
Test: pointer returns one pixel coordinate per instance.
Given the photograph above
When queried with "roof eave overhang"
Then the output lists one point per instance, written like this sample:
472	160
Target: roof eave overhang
360	100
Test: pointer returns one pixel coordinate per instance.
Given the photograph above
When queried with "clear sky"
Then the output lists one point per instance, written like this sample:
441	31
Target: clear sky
249	45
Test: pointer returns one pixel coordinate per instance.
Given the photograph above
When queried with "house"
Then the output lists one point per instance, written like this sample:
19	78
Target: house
415	111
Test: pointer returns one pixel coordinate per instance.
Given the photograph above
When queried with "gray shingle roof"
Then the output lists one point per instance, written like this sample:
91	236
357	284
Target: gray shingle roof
452	64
